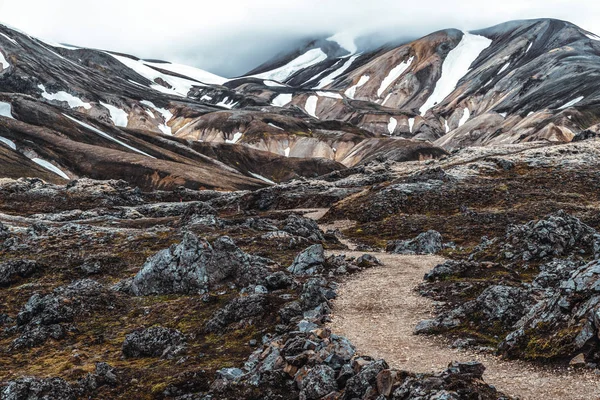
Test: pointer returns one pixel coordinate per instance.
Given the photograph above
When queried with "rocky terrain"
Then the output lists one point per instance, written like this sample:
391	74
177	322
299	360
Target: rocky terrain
169	233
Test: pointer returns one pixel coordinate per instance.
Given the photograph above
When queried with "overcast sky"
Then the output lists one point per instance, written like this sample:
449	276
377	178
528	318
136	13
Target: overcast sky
230	37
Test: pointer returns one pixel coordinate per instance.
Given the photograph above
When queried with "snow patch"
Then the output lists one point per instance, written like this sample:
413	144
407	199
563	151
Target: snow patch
206	98
73	101
226	103
331	95
6	110
503	114
465	117
262	178
392	125
393	75
345	40
236	137
331	77
455	66
191	72
107	136
5	64
287	152
529	47
166	114
411	124
50	167
8	142
446	127
180	86
119	117
311	106
571	103
306	60
351	92
282	99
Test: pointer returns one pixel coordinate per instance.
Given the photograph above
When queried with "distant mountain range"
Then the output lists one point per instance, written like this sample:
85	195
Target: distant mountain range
69	112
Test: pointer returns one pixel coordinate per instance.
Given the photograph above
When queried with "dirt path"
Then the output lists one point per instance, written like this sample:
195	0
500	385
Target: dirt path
378	310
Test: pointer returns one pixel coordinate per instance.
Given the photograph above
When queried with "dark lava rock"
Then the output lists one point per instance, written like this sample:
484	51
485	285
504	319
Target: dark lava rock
154	342
319	382
105	374
4	232
308	262
359	384
429	242
304	227
193	266
30	388
237	310
278	280
12	271
558	235
450	268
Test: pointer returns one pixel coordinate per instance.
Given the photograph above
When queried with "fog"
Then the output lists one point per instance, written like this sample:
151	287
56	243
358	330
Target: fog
230	37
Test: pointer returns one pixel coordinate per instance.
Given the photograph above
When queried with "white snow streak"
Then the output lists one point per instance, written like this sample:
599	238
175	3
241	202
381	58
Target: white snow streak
331	77
447	128
166	114
571	103
332	95
119	117
50	167
392	125
455	66
107	136
465	117
394	74
73	101
236	137
275	126
287	152
5	110
345	40
8	142
529	47
226	103
191	72
206	98
351	92
311	106
504	67
306	60
262	178
9	38
273	84
282	99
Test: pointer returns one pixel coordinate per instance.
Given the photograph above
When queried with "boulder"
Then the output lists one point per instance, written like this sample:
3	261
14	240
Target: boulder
429	242
309	261
304	227
237	310
156	341
194	265
12	271
319	382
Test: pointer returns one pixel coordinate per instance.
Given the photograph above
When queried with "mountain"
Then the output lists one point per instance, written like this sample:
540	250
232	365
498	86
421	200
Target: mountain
77	112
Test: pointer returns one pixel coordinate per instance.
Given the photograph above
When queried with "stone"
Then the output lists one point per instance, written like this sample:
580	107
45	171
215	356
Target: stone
309	261
429	242
319	382
12	271
156	341
578	361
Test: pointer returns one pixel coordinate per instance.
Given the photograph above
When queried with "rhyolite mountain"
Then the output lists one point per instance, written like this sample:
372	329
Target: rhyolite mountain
69	112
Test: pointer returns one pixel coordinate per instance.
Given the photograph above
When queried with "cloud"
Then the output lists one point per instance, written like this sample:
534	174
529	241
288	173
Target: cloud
230	37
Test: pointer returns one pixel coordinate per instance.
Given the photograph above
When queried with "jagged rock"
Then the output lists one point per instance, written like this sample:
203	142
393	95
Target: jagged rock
309	261
553	273
359	384
558	235
319	382
12	271
156	341
30	388
37	335
313	294
230	374
278	280
578	361
4	232
199	213
368	261
193	266
105	374
237	310
450	268
304	227
429	242
506	304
